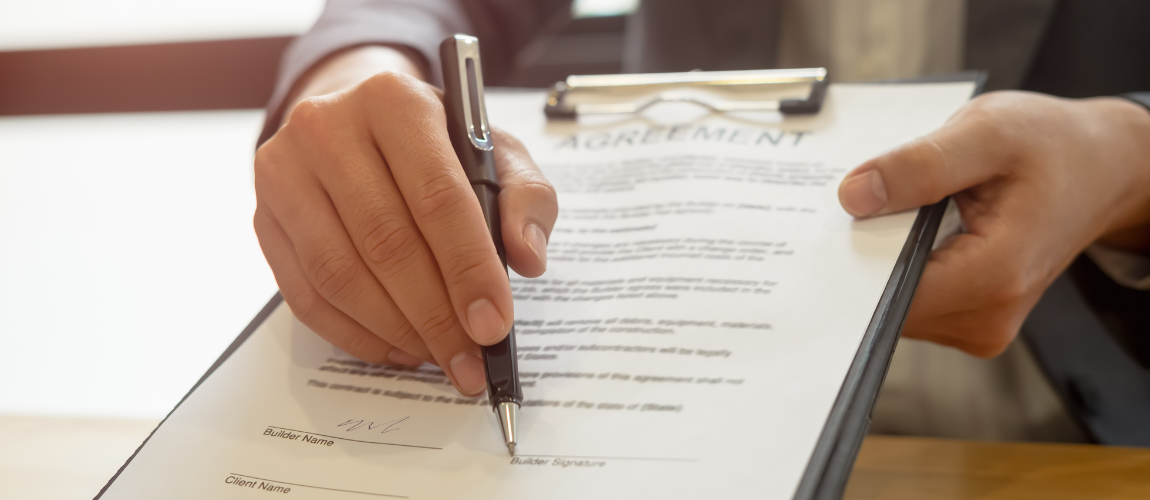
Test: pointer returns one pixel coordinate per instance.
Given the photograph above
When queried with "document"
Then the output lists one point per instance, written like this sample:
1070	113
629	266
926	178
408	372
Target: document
704	298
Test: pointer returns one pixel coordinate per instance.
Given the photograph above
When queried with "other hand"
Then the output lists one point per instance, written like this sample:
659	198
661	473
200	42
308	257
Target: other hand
1037	179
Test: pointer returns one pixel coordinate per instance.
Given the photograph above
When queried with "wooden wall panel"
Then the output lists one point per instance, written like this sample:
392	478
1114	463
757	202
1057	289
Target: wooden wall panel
224	74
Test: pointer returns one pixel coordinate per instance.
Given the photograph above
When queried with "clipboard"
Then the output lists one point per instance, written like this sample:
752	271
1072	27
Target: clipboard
830	464
835	451
834	455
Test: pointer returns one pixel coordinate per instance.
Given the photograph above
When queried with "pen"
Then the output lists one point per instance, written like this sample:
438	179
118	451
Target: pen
471	138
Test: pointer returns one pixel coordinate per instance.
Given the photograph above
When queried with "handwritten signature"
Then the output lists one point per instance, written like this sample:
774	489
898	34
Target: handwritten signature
353	424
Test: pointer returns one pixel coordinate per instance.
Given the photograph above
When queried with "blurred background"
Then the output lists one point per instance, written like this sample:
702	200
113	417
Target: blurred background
127	258
128	262
93	56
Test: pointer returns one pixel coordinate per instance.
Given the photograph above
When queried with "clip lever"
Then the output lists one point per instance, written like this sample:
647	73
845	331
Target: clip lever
558	107
471	87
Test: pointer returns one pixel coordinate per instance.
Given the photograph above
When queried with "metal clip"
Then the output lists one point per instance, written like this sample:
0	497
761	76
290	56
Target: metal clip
558	106
471	85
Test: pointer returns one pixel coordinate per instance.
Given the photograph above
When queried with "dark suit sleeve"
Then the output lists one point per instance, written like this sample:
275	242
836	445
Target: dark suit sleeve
1142	98
503	27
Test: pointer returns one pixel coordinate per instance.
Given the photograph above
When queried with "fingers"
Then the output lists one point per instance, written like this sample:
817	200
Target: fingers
327	257
382	236
527	204
1031	176
377	237
960	304
441	204
312	309
968	150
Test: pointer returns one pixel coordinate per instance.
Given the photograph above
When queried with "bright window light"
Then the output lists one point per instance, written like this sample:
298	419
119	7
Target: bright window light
47	24
600	8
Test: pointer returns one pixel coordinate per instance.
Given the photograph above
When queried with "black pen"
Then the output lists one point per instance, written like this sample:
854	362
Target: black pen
471	138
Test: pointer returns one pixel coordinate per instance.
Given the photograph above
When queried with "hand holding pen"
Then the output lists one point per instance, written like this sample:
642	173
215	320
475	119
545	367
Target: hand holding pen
374	233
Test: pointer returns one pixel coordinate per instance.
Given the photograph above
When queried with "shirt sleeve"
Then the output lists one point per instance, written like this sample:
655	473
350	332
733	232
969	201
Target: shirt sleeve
503	26
1142	98
1128	269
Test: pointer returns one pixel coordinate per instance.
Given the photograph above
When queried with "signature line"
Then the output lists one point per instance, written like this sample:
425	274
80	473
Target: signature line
319	487
651	459
355	440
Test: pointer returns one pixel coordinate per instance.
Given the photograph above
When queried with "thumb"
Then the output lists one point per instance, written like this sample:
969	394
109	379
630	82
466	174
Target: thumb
962	154
528	206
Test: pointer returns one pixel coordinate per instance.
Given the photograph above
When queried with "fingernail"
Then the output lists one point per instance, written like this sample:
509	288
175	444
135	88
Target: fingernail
486	323
537	241
863	194
467	369
400	357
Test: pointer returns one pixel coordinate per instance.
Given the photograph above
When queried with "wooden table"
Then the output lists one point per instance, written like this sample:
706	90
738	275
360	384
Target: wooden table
896	468
44	458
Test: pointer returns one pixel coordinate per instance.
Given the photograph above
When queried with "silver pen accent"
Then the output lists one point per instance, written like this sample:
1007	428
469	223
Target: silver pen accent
508	414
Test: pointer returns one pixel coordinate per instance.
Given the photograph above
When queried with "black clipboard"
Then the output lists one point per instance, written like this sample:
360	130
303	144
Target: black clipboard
829	468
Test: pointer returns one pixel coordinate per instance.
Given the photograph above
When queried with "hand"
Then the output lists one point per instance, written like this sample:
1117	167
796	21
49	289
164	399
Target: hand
1037	179
376	238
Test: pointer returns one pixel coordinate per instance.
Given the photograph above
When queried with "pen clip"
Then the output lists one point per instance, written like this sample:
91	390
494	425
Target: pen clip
471	88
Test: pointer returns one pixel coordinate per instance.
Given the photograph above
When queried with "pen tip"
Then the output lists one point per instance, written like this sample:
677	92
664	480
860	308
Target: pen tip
508	415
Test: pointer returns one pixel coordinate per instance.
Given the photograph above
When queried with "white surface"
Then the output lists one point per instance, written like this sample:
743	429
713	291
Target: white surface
729	375
54	458
40	24
127	258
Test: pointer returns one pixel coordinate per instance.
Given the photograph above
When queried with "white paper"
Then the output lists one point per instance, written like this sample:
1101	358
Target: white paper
704	299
